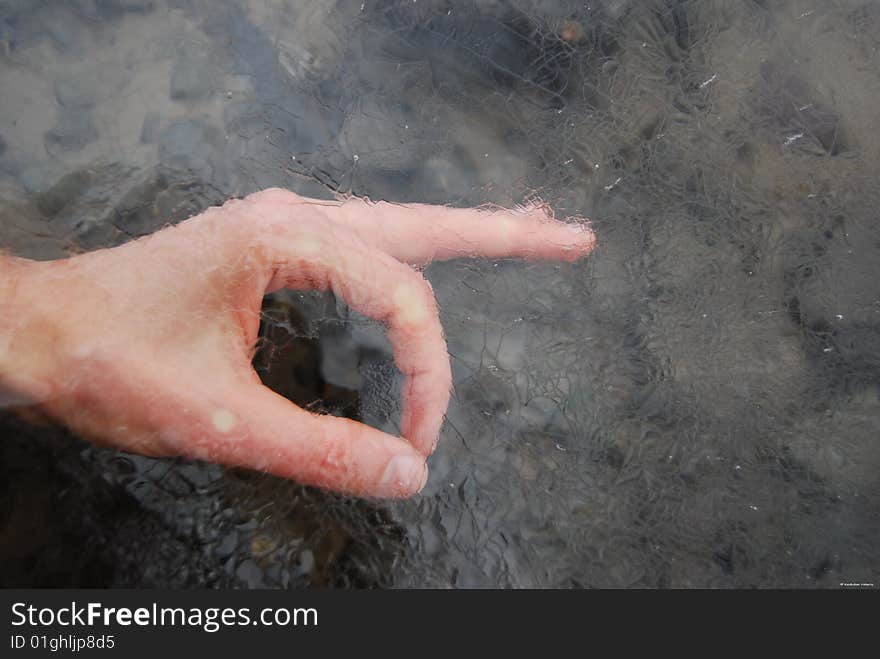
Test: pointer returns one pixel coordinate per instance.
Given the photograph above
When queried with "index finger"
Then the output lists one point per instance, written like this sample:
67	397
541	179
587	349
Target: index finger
421	233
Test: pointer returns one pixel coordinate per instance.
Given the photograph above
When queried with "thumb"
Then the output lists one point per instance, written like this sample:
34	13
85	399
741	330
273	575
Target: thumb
258	429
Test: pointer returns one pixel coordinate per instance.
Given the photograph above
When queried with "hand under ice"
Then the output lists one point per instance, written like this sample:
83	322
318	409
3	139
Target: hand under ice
147	347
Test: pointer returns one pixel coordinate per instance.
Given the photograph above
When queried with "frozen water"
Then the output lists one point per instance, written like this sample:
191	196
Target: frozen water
697	404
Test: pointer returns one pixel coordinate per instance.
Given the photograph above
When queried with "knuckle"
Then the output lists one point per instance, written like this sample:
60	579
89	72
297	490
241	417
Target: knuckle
413	301
272	194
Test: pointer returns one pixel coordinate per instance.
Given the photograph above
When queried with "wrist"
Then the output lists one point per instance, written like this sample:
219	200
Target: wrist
25	338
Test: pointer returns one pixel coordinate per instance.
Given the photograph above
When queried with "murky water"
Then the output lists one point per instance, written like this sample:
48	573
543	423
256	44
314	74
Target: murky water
697	404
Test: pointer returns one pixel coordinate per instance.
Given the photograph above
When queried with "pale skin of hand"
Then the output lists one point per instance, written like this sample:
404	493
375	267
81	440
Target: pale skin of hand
147	347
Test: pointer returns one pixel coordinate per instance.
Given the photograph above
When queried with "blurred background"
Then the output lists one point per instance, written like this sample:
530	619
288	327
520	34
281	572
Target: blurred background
695	405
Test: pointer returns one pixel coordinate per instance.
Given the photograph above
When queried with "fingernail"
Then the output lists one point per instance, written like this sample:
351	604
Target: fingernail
584	232
22	391
579	227
404	475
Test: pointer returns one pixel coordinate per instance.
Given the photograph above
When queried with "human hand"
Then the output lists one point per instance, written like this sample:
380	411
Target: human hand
147	347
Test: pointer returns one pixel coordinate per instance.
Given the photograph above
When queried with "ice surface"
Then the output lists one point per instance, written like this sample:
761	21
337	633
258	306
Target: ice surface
698	404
